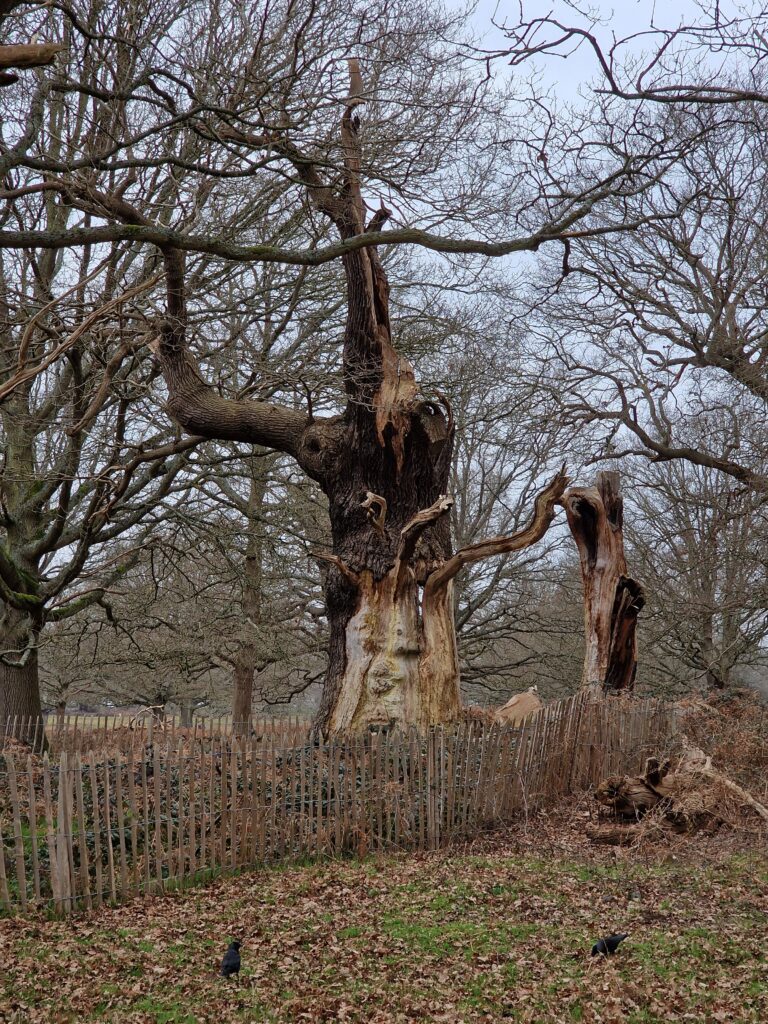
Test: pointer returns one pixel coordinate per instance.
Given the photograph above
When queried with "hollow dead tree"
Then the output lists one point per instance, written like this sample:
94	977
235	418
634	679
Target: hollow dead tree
383	464
612	599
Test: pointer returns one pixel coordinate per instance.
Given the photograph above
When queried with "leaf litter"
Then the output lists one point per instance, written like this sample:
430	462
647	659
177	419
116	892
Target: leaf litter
493	930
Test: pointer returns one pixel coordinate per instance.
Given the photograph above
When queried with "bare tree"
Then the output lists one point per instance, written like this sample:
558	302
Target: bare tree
656	328
699	540
440	146
21	55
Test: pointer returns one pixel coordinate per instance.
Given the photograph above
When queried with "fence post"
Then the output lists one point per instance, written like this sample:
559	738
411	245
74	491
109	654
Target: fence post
18	836
64	836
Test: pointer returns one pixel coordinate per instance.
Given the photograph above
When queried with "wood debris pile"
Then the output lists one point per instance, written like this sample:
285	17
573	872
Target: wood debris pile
681	794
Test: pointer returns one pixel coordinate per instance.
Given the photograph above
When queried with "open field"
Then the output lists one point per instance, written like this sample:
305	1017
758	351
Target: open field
497	929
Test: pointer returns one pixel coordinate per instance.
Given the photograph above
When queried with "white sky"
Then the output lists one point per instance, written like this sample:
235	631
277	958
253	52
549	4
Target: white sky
619	19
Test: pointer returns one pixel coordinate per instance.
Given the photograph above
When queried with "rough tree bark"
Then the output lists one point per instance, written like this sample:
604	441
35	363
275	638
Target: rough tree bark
383	464
19	690
247	657
21	611
612	599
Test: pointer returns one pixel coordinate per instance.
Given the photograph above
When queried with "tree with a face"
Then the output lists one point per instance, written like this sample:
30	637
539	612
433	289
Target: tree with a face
252	118
384	465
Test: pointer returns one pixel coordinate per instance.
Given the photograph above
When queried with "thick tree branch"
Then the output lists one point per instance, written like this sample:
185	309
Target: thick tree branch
72	238
663	452
26	55
195	404
412	531
544	513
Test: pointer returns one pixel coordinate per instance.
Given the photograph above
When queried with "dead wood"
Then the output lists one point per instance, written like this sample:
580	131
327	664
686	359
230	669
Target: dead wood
612	599
518	708
685	794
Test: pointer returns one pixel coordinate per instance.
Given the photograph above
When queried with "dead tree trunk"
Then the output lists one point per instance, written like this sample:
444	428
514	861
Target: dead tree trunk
612	599
383	464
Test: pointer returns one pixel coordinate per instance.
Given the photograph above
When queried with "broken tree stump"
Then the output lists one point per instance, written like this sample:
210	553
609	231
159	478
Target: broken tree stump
612	599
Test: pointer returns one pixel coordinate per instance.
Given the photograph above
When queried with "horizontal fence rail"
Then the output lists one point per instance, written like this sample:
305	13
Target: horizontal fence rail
79	828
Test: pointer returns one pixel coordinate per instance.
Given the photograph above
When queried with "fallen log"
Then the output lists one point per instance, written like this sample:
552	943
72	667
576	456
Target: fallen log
684	794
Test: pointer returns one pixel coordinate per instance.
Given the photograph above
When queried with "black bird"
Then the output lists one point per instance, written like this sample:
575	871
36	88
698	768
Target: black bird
608	945
231	963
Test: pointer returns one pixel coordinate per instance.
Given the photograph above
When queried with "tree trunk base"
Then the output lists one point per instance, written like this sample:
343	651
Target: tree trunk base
401	658
20	709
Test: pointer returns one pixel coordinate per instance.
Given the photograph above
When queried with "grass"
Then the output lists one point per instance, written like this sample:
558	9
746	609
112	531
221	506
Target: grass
452	937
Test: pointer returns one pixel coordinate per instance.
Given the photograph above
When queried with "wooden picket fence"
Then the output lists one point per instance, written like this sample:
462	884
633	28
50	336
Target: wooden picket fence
78	829
72	732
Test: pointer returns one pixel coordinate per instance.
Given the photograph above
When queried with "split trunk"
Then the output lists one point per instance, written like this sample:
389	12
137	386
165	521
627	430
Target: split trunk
612	599
383	463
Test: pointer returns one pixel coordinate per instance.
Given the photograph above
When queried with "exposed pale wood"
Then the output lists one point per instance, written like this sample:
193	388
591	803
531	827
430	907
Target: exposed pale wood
612	599
518	708
26	55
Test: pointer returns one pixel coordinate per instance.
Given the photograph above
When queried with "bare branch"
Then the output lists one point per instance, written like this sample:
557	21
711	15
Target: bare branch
340	564
544	513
